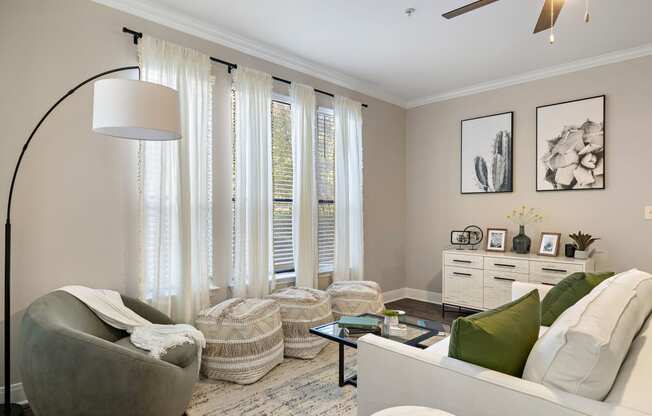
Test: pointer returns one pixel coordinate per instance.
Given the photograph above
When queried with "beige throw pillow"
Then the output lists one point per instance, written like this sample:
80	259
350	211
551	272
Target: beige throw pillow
584	348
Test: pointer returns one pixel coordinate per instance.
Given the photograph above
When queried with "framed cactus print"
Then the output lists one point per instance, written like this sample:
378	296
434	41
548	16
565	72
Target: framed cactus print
487	162
571	145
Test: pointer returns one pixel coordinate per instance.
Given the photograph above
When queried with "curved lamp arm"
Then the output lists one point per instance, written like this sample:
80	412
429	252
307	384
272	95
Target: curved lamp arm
45	116
9	408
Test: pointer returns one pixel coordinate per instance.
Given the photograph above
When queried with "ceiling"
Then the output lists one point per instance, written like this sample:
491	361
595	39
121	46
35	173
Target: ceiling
371	46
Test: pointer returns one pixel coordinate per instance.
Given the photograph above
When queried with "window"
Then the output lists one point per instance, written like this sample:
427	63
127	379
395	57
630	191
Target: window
282	183
282	186
159	188
326	189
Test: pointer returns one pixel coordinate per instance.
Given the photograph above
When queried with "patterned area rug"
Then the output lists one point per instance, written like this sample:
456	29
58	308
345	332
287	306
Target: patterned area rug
296	387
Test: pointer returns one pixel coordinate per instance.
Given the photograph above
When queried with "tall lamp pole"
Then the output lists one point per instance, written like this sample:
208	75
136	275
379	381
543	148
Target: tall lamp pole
122	108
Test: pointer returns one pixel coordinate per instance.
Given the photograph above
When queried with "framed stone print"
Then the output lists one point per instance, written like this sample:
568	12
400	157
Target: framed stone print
570	145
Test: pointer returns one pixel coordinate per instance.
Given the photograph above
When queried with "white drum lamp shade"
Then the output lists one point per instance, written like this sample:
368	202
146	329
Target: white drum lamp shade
134	109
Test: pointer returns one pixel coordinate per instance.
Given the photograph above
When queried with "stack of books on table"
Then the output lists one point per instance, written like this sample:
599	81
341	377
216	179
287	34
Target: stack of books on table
359	325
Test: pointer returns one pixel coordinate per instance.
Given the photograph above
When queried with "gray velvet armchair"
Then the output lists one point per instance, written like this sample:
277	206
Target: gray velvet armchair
75	364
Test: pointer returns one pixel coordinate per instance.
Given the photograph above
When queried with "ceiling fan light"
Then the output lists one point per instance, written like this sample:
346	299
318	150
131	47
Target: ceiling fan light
587	16
552	22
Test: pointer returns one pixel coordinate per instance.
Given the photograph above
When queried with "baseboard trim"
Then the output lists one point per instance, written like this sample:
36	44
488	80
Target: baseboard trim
17	394
393	295
410	293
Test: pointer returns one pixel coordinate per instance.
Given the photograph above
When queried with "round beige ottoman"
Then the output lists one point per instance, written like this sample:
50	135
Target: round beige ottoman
302	309
353	298
244	339
411	411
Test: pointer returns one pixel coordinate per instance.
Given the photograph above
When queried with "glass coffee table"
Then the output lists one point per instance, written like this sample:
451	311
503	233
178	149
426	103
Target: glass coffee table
418	331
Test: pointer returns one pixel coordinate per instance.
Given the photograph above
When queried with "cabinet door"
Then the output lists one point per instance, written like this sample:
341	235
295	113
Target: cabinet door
452	288
498	287
464	287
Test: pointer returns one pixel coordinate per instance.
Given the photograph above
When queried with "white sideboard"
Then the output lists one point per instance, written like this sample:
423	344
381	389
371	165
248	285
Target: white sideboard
479	279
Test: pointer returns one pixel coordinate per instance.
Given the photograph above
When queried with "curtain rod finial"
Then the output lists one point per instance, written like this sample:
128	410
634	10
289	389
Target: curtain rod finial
136	35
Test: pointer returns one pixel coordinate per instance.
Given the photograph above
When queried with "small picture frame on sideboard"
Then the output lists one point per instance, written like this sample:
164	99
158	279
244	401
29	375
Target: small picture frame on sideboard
496	239
549	244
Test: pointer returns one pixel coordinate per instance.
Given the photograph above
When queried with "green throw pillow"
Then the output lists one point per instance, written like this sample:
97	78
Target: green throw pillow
499	339
567	292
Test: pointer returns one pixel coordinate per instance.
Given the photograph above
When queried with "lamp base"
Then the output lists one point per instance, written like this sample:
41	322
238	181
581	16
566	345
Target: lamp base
15	410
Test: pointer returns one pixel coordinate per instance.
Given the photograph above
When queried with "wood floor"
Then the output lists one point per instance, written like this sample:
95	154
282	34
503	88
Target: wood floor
411	307
426	310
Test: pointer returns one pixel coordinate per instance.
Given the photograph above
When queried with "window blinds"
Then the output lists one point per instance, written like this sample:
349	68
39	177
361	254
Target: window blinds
282	186
282	172
326	189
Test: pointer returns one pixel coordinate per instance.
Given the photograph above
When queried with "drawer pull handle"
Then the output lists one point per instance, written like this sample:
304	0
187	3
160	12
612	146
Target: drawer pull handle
505	279
462	274
548	284
462	261
554	270
504	265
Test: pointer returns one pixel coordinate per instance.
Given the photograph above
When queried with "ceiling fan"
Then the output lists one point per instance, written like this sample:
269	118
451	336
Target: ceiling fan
547	18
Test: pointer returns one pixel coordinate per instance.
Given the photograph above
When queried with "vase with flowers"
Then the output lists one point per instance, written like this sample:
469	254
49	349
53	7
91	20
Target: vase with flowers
523	216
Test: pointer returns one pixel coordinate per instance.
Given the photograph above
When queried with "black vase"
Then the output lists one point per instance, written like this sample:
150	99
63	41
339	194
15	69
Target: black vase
570	250
521	243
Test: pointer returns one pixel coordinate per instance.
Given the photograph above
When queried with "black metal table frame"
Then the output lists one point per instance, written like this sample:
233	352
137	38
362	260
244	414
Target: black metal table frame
342	342
459	309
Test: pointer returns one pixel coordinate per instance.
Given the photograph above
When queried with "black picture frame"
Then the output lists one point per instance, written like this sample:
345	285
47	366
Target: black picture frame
457	243
511	156
604	147
474	229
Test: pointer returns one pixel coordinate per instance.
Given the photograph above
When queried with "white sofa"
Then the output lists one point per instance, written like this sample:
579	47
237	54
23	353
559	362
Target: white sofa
392	374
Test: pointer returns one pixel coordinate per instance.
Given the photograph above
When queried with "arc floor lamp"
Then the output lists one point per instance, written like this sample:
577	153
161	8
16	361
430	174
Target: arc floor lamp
122	108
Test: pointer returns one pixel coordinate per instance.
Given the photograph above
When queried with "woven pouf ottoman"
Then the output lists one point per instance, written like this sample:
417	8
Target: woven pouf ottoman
353	298
244	339
302	309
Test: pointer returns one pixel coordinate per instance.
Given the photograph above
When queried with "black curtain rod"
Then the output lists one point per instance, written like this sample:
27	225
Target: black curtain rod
229	65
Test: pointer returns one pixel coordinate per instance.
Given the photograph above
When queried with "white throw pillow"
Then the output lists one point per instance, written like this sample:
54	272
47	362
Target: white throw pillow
584	348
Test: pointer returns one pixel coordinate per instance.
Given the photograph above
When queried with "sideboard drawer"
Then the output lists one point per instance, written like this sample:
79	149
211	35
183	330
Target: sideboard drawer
498	287
552	272
463	260
464	286
506	265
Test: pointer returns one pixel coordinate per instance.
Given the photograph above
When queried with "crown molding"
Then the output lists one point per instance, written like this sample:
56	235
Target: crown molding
553	71
148	10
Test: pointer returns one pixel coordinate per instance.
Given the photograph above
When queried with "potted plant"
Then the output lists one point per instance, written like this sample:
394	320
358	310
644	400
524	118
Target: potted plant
582	243
522	217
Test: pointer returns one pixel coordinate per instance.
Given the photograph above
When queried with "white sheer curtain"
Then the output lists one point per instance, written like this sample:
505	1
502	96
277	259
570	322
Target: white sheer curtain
175	186
304	190
349	230
253	268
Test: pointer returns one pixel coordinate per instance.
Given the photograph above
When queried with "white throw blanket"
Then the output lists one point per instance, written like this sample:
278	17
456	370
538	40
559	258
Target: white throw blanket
157	339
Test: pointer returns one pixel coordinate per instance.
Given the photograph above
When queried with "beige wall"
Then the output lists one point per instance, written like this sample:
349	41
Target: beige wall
435	206
75	212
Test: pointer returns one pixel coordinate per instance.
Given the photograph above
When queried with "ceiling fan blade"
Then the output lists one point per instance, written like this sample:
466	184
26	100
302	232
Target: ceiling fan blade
469	7
544	18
